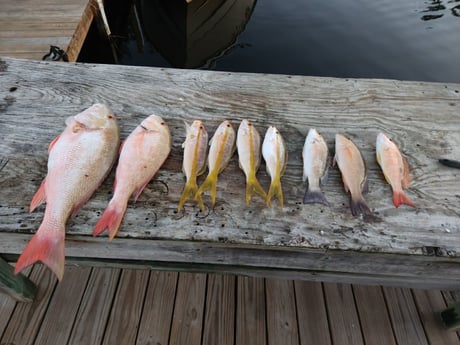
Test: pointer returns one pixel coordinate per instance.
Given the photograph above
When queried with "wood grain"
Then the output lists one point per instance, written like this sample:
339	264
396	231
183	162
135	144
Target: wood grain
282	325
251	327
26	319
187	324
311	313
95	306
407	326
343	317
62	310
429	305
421	117
156	321
126	310
375	321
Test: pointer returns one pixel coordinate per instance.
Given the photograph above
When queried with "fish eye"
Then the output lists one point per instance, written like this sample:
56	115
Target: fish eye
249	124
162	123
201	127
110	117
228	125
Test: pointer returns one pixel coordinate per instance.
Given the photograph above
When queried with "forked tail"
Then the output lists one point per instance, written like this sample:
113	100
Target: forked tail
111	219
47	247
359	206
190	190
399	198
253	186
314	197
210	183
275	190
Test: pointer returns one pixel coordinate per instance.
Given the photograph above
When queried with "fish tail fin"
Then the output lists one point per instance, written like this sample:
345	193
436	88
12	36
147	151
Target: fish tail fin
47	247
111	219
399	198
359	206
314	197
253	186
190	191
275	190
210	183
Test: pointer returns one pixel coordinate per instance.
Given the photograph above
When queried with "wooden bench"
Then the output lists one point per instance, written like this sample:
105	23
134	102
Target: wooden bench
405	247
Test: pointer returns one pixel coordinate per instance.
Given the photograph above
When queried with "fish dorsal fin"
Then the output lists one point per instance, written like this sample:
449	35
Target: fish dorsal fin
406	175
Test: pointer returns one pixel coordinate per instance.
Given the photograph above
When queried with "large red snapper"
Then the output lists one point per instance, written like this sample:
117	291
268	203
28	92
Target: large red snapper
142	154
79	160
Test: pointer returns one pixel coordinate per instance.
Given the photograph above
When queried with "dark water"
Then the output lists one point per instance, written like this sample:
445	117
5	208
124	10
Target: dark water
410	39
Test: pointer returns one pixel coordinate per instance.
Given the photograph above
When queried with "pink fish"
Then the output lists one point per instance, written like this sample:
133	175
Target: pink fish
142	154
395	169
79	160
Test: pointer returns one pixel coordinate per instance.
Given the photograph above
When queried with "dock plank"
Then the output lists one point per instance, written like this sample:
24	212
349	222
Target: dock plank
187	323
126	310
251	327
62	310
158	309
96	303
219	320
407	326
25	323
311	313
300	241
429	304
282	325
375	321
343	317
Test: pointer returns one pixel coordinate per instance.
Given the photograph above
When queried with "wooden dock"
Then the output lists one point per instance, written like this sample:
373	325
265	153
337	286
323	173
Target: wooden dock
29	27
128	306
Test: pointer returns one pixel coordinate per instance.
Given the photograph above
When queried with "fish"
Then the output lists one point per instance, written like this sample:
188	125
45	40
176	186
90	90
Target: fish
142	154
315	167
194	163
276	156
248	147
395	169
353	170
80	158
222	147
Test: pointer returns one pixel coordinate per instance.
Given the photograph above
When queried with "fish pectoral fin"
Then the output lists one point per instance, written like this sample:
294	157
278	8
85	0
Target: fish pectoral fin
275	190
406	176
53	142
39	197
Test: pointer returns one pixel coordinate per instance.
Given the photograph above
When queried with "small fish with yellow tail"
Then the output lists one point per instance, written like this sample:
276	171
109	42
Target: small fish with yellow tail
222	147
276	156
141	156
248	147
194	163
315	167
353	169
395	169
79	160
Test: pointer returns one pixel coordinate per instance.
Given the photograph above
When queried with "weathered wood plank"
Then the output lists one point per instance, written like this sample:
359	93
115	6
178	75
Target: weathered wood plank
311	314
429	304
373	314
63	307
343	317
127	308
187	323
18	286
25	322
359	107
27	29
251	326
95	306
407	327
158	309
282	325
219	320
